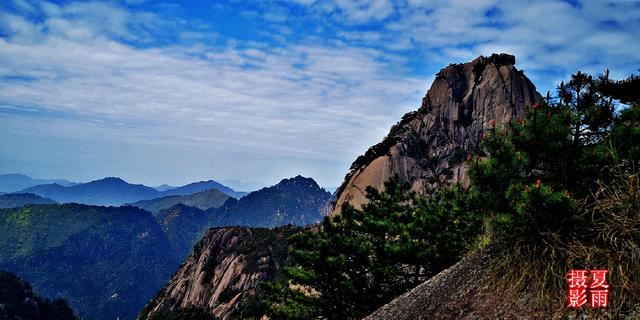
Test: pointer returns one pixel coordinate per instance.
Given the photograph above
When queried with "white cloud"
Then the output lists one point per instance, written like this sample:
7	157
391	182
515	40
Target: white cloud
301	101
548	37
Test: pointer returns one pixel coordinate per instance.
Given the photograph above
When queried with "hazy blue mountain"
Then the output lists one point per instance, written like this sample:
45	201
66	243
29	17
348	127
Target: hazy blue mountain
106	261
115	191
164	187
203	200
202	186
107	191
16	200
15	182
294	201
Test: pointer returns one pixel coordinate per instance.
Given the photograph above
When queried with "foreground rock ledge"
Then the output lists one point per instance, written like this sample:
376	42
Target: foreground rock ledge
459	293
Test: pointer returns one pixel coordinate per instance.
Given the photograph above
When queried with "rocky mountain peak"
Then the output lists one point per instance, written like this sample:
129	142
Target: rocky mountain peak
299	182
463	101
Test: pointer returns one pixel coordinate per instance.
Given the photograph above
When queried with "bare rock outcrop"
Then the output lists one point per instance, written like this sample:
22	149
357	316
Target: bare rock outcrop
464	100
224	268
460	293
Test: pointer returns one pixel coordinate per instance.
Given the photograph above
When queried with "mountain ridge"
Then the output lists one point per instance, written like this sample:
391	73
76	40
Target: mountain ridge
297	200
203	200
15	200
116	191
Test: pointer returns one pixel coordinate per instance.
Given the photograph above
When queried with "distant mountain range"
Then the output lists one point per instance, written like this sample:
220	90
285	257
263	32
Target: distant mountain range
164	187
202	186
107	191
115	191
16	182
203	200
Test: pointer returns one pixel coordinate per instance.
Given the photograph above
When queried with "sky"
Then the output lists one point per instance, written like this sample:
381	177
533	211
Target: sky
257	91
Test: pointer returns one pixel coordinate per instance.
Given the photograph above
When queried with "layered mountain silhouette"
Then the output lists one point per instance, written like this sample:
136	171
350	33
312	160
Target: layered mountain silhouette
203	200
15	182
107	191
16	200
115	191
202	186
164	187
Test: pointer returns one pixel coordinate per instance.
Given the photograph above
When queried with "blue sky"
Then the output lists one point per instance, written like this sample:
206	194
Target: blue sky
171	92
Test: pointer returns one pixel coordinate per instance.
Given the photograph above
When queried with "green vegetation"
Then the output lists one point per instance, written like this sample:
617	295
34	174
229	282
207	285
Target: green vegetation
555	190
58	248
184	227
559	191
362	258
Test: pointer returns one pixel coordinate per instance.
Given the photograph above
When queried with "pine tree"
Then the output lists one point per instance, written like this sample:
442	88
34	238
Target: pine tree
363	258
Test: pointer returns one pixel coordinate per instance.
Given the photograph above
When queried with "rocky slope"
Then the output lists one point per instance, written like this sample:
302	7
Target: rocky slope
222	271
468	291
464	100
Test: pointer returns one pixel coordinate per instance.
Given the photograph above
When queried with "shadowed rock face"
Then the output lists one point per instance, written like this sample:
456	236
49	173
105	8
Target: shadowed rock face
223	270
17	301
464	100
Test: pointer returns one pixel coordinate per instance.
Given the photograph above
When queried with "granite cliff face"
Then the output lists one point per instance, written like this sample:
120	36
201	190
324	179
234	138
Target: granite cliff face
223	270
464	100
